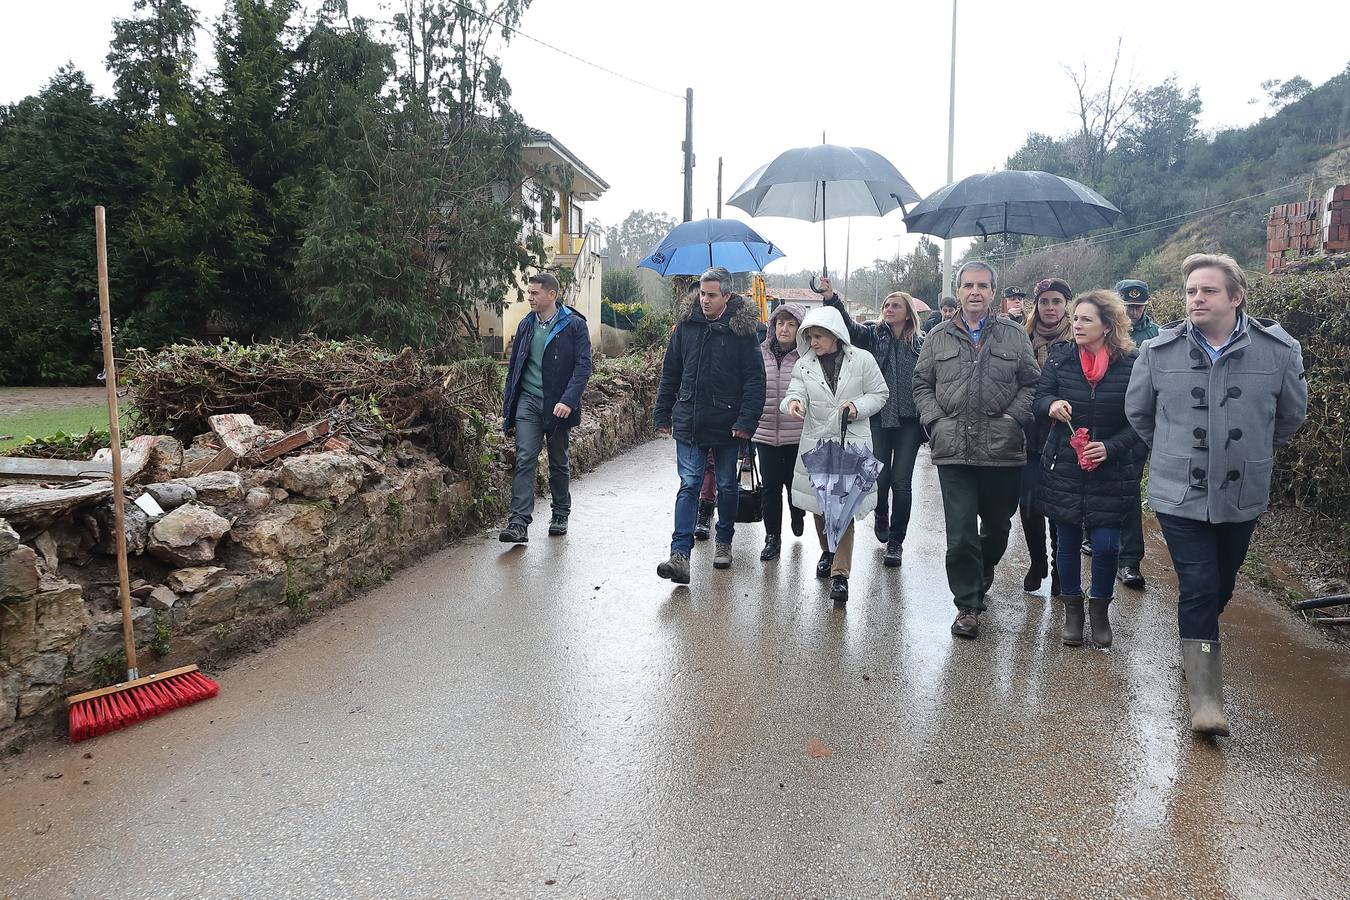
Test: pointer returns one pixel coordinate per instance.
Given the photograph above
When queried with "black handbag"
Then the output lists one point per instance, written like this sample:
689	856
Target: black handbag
750	501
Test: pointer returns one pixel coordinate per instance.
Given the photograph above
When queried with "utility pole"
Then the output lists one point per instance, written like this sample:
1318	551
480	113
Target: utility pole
689	154
951	138
719	187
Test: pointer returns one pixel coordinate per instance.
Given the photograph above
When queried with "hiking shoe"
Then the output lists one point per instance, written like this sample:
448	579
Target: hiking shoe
824	565
881	527
514	533
798	521
558	525
676	568
967	624
722	558
839	589
894	555
1131	577
773	544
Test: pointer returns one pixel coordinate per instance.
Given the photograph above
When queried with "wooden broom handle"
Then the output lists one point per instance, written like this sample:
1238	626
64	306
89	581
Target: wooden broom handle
115	442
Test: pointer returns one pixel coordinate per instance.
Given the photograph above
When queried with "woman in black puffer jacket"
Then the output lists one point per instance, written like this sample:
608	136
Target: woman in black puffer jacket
1083	387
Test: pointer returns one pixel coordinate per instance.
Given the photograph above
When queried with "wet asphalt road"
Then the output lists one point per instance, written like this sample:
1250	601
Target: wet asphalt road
555	721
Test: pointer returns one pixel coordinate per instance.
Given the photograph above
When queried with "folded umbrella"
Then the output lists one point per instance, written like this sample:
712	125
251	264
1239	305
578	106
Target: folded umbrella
694	247
842	475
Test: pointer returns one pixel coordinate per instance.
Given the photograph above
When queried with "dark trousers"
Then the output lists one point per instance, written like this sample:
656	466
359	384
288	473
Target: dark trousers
897	448
1033	523
978	503
1206	557
1132	534
1105	546
530	441
775	471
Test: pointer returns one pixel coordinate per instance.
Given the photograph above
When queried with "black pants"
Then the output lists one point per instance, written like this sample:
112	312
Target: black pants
978	503
1033	523
775	470
897	448
1206	557
1132	535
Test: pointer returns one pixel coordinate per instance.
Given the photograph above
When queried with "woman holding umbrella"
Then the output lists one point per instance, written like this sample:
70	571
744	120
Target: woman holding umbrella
1048	325
832	380
895	342
1091	460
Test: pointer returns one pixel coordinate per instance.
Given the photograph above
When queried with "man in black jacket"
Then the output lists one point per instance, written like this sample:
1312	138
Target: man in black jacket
711	398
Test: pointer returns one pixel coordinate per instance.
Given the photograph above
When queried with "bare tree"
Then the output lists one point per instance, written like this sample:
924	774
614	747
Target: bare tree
1102	115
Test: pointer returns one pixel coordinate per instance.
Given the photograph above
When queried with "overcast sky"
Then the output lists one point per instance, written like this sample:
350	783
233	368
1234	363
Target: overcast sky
770	76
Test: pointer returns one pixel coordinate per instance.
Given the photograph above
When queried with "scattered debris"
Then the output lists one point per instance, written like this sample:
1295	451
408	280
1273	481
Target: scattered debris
816	749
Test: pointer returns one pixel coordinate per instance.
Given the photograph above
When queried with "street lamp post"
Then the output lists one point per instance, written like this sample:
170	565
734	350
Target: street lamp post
951	138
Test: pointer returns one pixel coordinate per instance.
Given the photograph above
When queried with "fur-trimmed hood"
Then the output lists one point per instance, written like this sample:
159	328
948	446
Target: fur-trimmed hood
744	315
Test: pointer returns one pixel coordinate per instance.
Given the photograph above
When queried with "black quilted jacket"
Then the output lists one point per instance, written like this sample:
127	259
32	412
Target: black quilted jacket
1100	498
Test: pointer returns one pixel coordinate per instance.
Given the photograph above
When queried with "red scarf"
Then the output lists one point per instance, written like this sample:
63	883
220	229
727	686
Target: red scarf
1094	365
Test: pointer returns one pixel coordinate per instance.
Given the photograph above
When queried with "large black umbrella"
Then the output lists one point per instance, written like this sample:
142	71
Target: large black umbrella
822	182
1011	202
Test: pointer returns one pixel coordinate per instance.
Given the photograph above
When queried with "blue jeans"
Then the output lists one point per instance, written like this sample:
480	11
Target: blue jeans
530	439
1206	557
692	460
1105	549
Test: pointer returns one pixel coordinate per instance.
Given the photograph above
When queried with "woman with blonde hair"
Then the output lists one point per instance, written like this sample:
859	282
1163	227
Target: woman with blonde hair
1091	460
895	342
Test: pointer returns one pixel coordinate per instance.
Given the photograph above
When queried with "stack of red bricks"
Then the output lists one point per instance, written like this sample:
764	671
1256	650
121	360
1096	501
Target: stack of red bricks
1308	228
1336	220
1293	229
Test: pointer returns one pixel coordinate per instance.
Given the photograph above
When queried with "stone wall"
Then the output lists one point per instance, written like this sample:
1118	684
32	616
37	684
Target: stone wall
240	557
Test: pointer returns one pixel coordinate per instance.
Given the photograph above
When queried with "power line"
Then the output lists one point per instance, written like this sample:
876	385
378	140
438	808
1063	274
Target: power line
1117	234
507	29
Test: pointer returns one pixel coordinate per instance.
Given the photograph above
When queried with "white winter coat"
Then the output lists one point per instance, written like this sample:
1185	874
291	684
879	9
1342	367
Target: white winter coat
860	380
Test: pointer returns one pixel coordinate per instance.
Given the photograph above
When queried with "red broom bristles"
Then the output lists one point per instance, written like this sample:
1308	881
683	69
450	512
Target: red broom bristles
100	715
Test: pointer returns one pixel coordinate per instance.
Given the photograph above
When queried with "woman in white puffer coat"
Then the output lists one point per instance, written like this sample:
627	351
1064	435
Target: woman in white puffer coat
832	375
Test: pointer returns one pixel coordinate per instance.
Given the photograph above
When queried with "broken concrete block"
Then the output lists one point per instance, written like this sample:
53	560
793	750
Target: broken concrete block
187	536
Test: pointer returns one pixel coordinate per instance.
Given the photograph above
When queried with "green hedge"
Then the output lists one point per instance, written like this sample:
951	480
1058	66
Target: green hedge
1313	470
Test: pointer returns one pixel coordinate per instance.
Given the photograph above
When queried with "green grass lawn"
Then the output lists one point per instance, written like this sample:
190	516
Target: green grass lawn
42	422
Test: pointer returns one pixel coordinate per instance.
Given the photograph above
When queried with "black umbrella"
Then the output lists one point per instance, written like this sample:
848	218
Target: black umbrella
826	181
1011	202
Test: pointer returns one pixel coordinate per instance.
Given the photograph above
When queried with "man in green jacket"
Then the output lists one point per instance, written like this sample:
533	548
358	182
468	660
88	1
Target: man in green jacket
1135	295
973	387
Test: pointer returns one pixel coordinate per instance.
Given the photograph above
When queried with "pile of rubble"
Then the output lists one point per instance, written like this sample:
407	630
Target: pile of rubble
243	525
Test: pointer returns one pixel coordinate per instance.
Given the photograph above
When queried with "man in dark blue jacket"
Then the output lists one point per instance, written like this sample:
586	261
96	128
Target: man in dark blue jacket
550	364
711	398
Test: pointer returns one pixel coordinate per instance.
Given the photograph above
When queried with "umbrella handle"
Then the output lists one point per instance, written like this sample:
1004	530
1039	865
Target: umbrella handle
815	285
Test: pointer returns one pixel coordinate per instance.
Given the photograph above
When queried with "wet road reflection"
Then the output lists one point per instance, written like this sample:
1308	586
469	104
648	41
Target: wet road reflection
495	719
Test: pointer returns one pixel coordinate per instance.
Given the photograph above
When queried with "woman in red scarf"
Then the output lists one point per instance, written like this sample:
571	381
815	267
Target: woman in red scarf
1092	457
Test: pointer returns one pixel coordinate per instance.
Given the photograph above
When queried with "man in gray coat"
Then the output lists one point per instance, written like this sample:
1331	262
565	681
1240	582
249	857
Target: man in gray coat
973	386
1213	396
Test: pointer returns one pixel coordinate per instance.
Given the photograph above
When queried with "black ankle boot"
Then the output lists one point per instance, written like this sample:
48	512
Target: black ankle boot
1073	621
1100	621
703	527
772	545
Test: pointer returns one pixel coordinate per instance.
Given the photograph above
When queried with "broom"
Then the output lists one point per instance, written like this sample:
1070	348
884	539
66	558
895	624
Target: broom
108	709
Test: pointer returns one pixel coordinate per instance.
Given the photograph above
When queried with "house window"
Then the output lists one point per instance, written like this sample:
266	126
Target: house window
574	226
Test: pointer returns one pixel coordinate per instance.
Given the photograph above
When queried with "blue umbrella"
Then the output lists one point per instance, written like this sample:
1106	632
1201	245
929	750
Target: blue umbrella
695	247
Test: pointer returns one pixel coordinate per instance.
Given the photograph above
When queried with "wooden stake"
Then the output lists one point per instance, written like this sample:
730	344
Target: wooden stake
115	441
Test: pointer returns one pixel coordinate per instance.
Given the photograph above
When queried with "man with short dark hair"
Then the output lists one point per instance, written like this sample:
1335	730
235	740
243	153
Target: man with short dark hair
1135	295
1213	396
711	397
973	386
550	365
946	310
